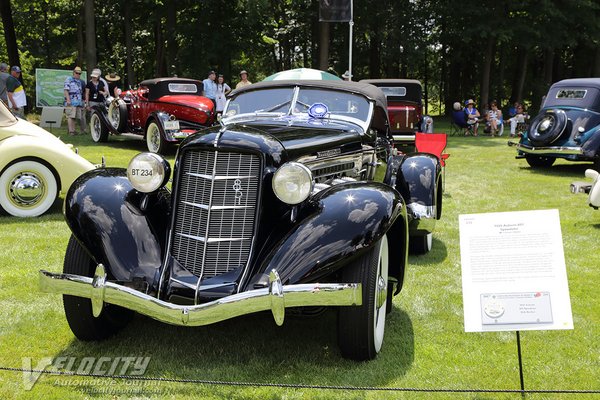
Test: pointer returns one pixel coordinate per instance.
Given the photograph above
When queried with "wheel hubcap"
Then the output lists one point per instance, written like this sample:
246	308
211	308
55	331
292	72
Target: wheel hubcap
381	295
26	189
154	139
545	125
114	117
381	291
95	126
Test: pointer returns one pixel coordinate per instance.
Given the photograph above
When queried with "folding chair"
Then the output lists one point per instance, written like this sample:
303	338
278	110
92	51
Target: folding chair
434	143
459	122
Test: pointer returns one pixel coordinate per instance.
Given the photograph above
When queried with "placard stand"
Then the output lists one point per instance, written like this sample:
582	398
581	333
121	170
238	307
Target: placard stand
514	274
51	117
520	365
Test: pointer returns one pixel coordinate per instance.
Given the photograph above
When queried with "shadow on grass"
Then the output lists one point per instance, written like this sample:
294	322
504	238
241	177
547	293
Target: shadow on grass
436	255
254	349
576	170
54	213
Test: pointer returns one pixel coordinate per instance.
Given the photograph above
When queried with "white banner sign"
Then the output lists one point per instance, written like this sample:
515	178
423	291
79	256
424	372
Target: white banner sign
513	272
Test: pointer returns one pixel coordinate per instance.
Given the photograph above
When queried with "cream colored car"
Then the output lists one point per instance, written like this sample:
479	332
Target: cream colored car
35	166
593	188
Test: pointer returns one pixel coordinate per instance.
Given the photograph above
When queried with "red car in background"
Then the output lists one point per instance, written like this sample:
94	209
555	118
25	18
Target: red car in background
405	108
163	110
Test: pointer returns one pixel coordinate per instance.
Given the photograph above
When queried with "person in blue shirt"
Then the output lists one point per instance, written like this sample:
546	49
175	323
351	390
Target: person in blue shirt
210	87
73	91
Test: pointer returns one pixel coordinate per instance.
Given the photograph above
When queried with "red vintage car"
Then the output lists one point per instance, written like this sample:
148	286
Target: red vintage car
405	108
163	110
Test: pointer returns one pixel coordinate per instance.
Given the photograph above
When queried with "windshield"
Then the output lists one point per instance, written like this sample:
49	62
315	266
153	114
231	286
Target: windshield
296	100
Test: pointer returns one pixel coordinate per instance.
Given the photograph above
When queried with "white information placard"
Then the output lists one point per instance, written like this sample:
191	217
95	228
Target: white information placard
513	272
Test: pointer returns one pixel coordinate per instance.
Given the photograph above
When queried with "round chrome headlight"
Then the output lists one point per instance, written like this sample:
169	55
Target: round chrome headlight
292	183
148	172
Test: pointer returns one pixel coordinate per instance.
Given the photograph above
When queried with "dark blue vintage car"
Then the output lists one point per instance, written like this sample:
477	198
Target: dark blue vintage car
567	126
296	200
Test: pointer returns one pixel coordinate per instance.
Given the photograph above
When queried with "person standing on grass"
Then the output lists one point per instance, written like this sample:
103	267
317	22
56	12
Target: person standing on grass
209	88
222	90
16	93
3	79
94	91
73	91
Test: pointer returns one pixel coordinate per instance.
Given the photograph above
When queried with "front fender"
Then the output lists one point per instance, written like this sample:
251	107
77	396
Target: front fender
65	162
161	117
102	113
417	177
118	226
346	219
591	147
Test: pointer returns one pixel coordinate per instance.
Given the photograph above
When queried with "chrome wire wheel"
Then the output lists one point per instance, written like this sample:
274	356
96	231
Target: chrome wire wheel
153	137
98	131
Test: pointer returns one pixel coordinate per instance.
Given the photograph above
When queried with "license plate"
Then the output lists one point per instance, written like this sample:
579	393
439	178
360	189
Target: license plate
171	125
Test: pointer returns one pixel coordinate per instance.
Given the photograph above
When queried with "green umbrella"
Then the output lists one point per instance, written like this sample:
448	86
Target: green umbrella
302	73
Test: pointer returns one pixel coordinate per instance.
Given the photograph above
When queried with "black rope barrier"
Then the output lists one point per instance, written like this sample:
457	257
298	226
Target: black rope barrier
295	385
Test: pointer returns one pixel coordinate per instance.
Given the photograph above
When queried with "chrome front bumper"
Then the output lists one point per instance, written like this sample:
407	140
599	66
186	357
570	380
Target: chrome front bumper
567	150
275	298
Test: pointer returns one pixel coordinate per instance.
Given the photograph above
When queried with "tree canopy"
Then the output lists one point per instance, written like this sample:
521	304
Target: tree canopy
501	49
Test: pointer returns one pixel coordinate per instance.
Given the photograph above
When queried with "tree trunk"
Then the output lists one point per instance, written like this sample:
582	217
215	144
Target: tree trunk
90	35
501	68
172	45
128	45
548	66
47	41
519	76
80	39
374	51
596	71
453	83
485	72
522	73
323	46
9	33
159	47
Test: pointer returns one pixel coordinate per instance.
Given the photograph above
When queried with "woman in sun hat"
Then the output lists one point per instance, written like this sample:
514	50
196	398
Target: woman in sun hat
113	84
472	116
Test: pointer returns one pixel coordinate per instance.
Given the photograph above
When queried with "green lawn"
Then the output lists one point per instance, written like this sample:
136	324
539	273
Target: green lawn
425	345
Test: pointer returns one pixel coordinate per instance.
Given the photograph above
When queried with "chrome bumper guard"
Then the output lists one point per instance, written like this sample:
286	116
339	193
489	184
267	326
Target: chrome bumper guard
424	217
545	150
275	298
404	138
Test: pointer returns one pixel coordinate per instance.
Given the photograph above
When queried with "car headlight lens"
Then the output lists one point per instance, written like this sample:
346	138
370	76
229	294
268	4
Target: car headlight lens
292	183
148	172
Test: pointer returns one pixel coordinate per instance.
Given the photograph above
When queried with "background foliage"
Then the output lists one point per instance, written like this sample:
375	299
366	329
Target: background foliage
498	49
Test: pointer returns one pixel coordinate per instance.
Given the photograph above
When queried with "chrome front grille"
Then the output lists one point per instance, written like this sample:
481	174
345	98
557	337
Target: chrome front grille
215	211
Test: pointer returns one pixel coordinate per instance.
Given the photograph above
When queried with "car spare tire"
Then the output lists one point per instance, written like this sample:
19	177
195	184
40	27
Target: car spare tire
547	127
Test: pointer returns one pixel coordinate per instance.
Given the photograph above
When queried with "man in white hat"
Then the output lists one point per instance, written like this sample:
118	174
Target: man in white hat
244	80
